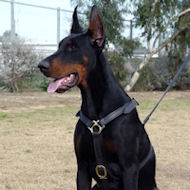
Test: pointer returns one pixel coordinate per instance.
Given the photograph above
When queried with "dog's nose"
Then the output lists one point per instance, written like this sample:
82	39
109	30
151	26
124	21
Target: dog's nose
44	65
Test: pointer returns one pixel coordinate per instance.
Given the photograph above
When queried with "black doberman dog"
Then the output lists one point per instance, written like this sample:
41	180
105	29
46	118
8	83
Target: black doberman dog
111	144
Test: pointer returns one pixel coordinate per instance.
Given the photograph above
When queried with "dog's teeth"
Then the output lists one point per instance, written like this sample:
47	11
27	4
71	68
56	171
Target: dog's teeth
72	76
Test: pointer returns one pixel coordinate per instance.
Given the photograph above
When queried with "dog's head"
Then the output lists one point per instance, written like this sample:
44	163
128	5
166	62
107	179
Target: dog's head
76	54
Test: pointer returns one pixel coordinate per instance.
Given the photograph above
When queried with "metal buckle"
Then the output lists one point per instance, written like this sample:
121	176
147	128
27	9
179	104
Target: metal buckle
96	128
101	175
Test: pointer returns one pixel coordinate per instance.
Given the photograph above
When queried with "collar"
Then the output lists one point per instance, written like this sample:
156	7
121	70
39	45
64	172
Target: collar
96	126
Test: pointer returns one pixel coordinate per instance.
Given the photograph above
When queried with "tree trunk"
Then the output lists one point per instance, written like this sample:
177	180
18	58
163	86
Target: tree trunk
152	50
136	74
13	86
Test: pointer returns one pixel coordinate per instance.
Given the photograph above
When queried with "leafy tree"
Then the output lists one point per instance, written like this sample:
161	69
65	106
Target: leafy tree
161	19
17	61
181	43
117	63
128	46
154	13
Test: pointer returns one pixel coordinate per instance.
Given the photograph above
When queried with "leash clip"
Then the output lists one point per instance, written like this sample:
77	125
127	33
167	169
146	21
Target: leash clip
96	128
101	171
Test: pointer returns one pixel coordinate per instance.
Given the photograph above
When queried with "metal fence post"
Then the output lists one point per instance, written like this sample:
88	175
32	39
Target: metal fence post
131	29
58	24
12	18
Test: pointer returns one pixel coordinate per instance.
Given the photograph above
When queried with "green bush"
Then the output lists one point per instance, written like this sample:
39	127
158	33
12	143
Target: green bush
145	81
117	63
158	74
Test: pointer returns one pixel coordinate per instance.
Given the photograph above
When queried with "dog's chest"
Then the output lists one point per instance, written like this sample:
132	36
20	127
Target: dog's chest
84	144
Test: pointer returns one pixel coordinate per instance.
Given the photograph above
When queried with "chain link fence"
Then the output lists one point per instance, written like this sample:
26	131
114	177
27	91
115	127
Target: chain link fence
42	26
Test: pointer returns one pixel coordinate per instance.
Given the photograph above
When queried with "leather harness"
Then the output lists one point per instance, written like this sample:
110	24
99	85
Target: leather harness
96	127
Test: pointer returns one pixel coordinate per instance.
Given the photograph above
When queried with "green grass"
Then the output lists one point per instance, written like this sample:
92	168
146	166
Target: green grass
3	115
166	104
47	112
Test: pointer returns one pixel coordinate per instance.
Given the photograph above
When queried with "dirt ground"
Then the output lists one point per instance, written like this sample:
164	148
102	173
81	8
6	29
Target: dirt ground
36	139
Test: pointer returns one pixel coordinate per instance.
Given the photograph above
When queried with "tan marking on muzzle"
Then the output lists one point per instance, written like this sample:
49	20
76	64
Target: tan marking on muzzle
59	70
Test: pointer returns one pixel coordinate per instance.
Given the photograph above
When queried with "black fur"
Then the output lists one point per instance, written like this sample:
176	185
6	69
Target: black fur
124	141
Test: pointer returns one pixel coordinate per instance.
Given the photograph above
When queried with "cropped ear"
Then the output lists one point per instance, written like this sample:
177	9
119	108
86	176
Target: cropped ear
96	28
75	25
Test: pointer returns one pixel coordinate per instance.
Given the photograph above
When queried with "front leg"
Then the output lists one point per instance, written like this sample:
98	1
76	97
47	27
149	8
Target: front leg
83	178
84	153
128	146
130	177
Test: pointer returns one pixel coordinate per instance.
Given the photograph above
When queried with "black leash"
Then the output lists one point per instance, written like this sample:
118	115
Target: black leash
187	59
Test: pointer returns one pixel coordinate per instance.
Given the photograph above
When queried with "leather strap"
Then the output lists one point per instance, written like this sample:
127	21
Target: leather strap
125	109
100	169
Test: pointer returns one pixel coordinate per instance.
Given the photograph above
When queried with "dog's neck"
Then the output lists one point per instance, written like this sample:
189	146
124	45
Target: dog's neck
103	93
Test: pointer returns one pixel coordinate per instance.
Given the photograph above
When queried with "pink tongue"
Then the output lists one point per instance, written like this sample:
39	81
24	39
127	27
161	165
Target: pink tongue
62	83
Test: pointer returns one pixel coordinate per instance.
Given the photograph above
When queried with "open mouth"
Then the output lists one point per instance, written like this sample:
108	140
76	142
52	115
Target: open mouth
63	84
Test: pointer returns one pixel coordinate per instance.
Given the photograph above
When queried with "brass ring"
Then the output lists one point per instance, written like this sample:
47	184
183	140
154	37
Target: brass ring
101	176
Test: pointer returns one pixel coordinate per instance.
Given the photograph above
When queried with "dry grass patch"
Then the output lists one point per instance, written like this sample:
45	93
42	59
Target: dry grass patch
36	150
36	140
